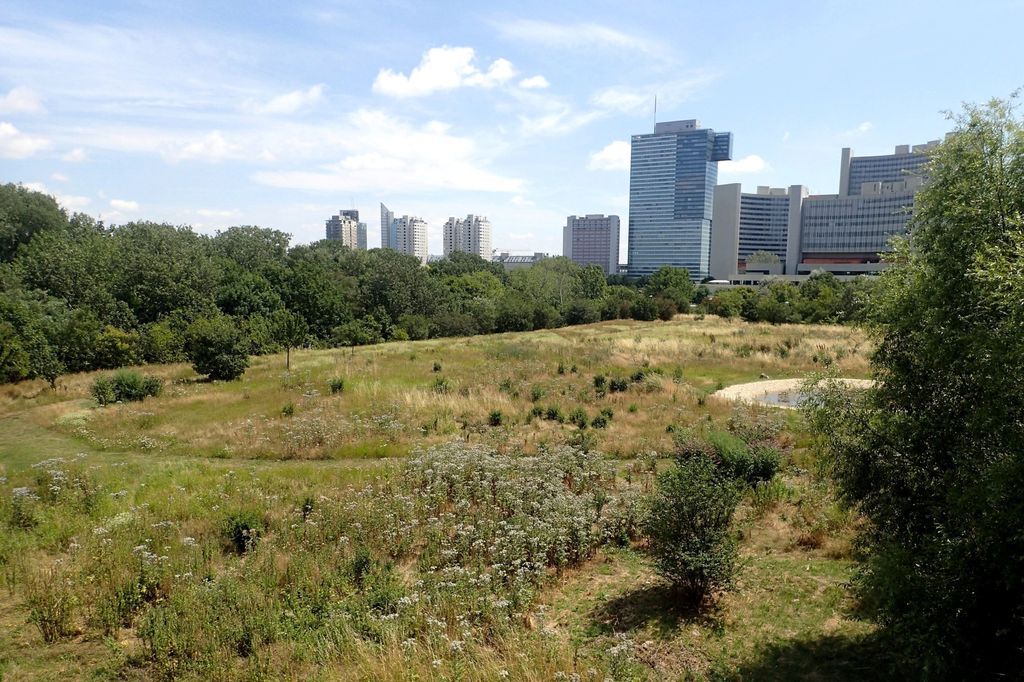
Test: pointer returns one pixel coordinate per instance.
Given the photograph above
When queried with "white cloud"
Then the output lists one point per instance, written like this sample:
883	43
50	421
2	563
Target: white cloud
218	213
17	145
443	68
785	136
640	99
519	200
615	156
288	103
861	129
383	153
76	155
59	177
573	36
534	83
752	163
21	100
124	205
564	120
72	202
211	147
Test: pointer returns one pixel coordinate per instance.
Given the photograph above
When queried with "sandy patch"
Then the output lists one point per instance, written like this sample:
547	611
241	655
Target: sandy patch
756	391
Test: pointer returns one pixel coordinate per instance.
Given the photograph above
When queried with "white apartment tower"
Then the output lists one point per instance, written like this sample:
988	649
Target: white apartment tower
410	236
472	235
592	239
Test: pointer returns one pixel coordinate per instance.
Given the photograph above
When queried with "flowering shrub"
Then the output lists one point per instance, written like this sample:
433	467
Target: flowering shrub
444	555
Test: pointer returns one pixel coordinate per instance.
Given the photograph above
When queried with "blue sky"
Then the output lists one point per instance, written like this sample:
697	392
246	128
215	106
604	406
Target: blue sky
279	114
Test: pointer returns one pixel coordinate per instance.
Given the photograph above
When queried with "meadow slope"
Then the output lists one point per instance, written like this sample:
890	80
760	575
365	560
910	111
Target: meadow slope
271	528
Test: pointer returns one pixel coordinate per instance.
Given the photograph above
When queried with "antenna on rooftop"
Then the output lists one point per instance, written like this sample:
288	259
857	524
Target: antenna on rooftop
655	110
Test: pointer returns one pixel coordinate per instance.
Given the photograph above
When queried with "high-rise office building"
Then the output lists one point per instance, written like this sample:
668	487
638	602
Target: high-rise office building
344	227
847	232
592	239
844	233
854	171
361	236
387	219
672	178
472	235
744	224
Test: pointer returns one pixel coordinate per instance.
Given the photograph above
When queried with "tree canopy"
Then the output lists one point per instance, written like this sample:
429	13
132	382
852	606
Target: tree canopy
934	454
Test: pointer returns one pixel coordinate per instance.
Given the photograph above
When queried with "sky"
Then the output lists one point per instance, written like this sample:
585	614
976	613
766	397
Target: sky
213	114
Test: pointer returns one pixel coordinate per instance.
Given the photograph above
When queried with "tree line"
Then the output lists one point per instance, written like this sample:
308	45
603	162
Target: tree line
79	295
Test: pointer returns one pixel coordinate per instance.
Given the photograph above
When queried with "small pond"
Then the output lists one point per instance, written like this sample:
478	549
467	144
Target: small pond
791	398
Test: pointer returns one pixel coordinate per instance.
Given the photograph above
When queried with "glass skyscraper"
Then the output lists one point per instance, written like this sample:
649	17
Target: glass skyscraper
672	179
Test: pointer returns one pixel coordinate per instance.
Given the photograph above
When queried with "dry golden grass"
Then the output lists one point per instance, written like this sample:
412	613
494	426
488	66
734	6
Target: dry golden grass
390	405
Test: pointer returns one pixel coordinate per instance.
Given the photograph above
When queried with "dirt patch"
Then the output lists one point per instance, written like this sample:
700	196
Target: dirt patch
756	391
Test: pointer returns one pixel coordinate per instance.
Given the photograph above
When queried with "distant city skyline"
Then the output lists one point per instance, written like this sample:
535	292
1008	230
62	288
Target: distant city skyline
201	114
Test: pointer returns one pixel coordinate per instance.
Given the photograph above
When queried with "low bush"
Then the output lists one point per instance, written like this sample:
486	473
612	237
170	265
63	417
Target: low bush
690	528
618	385
554	413
337	385
495	418
51	604
242	529
125	386
578	418
750	463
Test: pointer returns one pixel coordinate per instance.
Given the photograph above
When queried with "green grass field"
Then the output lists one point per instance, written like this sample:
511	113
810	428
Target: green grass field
126	529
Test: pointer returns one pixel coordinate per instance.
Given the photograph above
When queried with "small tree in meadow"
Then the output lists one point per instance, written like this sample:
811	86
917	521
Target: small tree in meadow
290	331
690	528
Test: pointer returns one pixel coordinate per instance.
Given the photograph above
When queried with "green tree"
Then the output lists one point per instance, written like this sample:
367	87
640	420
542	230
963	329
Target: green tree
216	347
290	331
459	263
593	283
690	527
673	284
25	213
15	364
934	454
161	268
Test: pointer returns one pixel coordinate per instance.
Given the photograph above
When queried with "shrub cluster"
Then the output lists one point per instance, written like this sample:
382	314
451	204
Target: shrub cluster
125	386
748	450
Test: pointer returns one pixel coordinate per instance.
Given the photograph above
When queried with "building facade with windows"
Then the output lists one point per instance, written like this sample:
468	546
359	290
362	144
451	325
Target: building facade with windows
472	235
844	233
511	261
410	237
387	219
407	234
672	177
345	227
592	239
